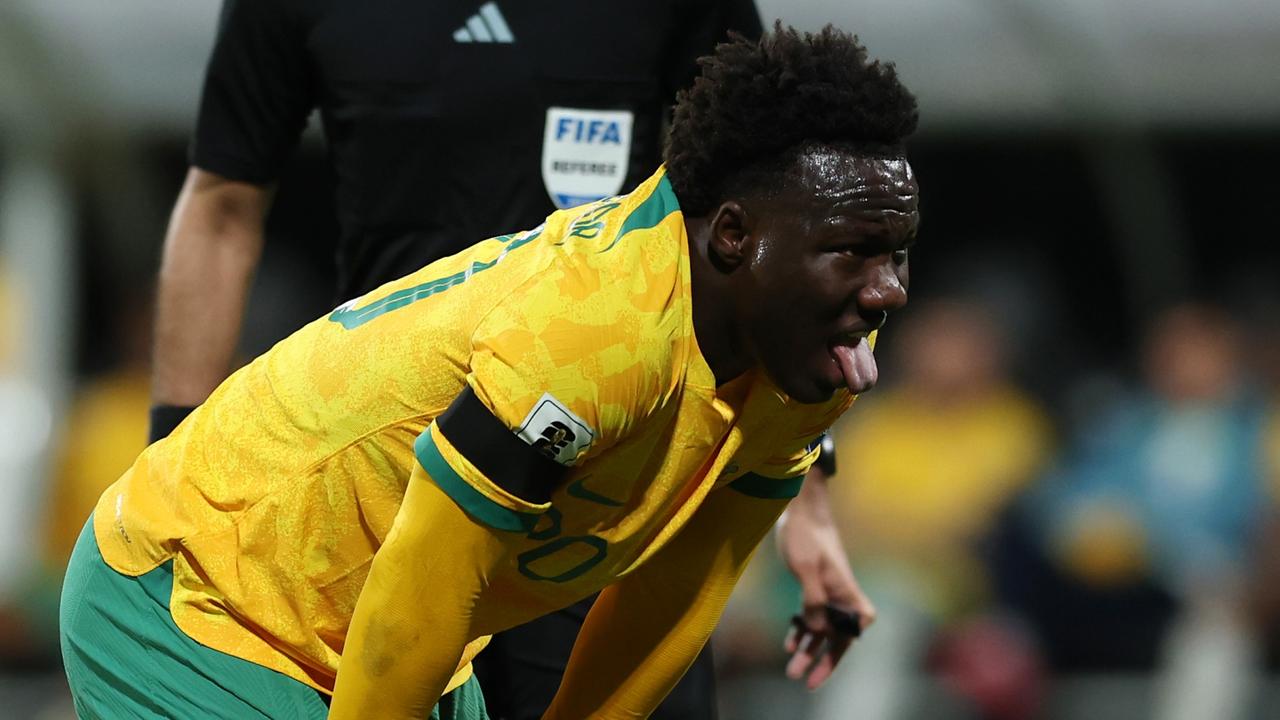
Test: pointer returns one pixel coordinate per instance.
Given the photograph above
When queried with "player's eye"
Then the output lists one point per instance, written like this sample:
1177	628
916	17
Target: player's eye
900	256
852	250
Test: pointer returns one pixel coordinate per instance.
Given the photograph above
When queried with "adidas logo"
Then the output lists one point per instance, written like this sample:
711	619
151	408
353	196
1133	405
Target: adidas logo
486	26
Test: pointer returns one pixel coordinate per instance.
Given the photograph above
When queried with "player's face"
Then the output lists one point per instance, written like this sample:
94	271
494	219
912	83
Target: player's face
827	259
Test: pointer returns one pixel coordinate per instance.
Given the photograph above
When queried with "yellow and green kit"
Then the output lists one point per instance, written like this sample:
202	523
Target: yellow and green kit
270	503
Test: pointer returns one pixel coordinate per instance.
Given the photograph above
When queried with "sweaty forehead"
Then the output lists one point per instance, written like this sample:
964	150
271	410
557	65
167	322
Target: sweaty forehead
854	185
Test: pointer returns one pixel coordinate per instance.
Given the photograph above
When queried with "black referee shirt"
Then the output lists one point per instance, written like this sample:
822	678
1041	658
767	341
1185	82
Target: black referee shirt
445	120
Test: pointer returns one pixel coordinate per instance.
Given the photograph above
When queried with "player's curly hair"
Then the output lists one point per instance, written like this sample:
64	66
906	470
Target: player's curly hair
756	105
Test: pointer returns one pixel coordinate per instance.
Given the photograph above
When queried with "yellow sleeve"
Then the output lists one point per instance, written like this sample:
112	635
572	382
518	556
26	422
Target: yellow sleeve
571	361
799	446
412	630
645	630
797	453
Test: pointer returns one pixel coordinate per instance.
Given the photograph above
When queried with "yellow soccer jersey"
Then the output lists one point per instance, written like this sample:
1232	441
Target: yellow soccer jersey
273	497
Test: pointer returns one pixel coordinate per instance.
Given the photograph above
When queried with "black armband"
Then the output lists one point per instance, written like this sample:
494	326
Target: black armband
164	420
509	462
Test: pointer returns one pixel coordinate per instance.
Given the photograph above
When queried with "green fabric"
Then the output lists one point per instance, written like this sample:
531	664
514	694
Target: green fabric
351	317
661	203
471	500
766	488
125	658
466	702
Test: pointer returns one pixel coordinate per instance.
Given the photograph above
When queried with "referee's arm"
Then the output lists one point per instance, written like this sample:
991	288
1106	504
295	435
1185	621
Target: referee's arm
257	92
211	250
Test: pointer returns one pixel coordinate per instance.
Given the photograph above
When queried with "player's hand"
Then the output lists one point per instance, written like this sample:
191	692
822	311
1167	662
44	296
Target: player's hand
835	610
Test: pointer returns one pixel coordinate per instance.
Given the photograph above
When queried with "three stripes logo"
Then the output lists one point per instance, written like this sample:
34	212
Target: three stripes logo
486	26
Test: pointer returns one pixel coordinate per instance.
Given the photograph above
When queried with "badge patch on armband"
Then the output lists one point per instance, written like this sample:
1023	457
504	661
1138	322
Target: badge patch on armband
553	430
585	154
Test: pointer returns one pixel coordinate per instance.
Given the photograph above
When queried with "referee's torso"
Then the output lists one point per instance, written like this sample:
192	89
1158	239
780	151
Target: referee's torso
449	122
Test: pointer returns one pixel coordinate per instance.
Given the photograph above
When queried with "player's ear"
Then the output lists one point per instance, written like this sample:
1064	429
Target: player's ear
727	247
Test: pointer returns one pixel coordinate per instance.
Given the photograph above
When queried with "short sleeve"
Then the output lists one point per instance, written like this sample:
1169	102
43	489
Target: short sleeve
793	457
780	477
794	462
702	25
797	453
258	92
781	472
571	361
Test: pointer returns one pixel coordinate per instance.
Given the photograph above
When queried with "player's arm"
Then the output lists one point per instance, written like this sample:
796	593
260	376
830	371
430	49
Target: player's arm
413	619
645	630
210	253
475	493
810	544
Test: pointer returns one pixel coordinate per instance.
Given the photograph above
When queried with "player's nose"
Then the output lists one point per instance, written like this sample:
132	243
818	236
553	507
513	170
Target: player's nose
883	291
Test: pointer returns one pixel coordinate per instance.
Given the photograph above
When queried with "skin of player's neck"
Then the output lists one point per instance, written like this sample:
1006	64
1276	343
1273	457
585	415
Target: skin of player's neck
713	322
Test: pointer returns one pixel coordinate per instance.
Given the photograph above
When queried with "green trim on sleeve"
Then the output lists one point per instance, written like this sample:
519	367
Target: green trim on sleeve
767	488
471	500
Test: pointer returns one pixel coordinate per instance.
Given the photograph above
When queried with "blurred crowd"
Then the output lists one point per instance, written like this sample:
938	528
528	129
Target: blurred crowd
1053	522
1064	496
1009	547
1011	544
1016	546
1094	544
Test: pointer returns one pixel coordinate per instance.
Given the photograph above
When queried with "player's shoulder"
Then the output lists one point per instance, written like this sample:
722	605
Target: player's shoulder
621	261
605	325
612	232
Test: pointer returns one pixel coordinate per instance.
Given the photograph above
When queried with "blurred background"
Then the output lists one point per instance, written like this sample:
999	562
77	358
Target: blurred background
1063	496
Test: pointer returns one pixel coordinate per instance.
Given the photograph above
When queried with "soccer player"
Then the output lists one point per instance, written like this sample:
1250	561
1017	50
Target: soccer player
444	123
624	398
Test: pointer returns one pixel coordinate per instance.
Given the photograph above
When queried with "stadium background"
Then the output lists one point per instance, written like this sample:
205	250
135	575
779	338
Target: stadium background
1095	326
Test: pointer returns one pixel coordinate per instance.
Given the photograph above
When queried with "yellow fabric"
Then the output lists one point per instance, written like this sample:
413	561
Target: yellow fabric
643	632
412	630
918	480
274	496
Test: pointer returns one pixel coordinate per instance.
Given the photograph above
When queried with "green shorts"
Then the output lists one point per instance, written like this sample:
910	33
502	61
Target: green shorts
125	657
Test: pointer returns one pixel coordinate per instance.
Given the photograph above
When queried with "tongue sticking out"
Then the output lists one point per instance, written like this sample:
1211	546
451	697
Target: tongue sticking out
857	364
